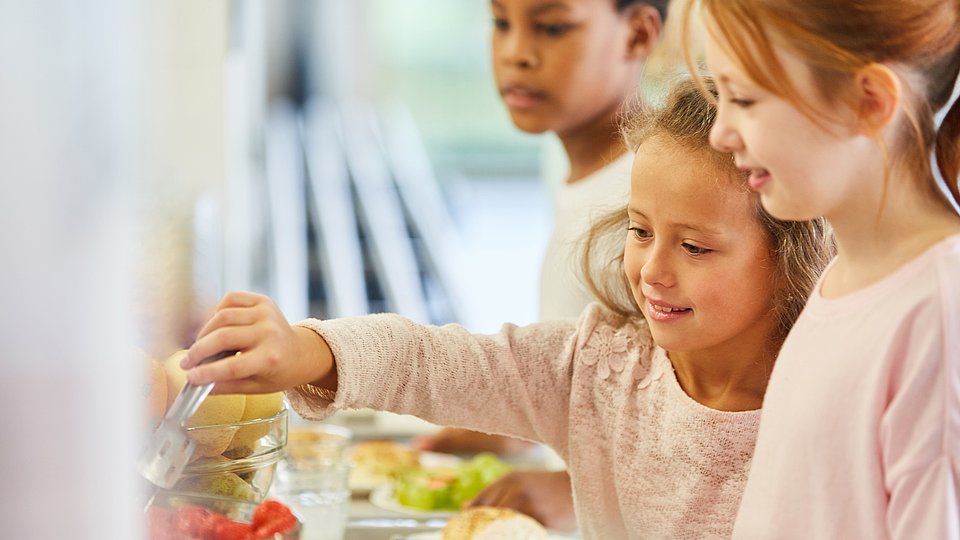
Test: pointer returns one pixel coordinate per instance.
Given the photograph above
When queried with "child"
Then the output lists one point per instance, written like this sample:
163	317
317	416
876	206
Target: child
840	109
651	397
567	68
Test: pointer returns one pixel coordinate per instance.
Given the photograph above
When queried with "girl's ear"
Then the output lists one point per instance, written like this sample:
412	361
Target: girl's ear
878	93
645	29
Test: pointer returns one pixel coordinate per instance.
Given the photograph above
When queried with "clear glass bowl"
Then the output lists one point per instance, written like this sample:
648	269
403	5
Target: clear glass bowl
235	509
246	462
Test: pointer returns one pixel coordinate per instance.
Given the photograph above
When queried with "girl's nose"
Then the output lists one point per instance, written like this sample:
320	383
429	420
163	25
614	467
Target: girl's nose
518	51
723	137
657	270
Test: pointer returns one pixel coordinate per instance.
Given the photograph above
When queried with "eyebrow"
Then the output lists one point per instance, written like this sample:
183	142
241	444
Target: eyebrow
722	79
702	230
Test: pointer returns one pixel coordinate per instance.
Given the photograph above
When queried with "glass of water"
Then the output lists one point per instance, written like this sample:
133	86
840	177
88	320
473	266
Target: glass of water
319	493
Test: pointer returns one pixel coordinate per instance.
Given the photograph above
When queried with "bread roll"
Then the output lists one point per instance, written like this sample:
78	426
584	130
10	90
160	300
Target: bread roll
487	523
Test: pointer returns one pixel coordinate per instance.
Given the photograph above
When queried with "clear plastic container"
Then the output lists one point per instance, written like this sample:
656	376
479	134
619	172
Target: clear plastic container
235	509
245	467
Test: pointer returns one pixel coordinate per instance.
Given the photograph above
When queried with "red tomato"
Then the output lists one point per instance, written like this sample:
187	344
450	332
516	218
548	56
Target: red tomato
232	530
272	517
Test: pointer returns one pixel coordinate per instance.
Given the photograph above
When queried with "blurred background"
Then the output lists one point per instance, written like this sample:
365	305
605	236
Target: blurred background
342	156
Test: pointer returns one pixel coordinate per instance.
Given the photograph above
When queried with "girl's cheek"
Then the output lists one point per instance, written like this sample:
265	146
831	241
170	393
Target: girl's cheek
631	267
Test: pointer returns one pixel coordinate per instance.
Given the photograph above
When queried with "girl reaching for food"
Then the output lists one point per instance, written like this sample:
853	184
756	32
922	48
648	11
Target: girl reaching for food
652	396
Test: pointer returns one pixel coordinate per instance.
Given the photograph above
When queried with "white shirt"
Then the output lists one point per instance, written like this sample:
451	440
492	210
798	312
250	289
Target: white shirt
576	206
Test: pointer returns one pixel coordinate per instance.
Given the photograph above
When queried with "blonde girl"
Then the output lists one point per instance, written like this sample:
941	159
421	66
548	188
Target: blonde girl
848	110
653	401
567	68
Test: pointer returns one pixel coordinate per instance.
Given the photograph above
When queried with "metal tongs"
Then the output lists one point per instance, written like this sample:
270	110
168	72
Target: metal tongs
169	449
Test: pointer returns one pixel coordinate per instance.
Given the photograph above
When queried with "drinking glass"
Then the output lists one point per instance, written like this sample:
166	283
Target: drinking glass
319	494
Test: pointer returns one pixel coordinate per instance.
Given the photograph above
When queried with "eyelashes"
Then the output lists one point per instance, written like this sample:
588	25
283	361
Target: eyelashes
550	30
642	234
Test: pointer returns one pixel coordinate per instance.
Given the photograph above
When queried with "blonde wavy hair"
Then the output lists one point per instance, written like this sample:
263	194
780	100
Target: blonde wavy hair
801	249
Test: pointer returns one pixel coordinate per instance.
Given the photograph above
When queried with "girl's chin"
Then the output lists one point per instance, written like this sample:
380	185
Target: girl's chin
784	211
530	123
668	341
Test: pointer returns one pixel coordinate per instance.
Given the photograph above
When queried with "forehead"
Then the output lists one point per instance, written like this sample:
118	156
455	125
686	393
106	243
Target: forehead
673	182
552	6
777	71
726	68
721	66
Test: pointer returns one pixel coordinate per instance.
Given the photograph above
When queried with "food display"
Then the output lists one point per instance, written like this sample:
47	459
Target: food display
377	463
215	410
486	523
239	438
197	517
316	444
447	488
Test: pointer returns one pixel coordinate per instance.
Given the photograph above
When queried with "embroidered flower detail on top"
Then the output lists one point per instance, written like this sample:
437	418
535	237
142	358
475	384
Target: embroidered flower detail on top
658	365
607	350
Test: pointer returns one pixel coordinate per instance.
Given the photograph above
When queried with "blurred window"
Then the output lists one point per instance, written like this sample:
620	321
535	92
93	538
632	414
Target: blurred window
434	55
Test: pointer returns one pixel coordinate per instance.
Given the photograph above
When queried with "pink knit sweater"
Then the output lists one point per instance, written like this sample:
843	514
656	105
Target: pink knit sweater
646	460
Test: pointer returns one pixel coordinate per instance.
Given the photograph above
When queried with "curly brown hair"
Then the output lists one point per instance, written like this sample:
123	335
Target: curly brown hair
801	249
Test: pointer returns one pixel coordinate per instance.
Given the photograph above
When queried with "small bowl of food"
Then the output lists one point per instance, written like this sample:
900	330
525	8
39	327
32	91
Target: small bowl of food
238	438
236	460
377	463
174	516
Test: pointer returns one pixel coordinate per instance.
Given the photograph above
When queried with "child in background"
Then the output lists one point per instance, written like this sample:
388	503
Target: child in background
568	68
849	110
651	397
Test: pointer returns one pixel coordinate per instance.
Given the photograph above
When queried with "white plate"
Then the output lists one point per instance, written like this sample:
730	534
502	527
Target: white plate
436	535
435	460
383	498
361	484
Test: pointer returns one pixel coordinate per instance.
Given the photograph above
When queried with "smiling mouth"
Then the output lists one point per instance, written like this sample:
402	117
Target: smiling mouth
663	309
758	177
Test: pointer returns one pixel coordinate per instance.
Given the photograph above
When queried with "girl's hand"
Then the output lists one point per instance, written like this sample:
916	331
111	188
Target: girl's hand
273	355
452	440
546	496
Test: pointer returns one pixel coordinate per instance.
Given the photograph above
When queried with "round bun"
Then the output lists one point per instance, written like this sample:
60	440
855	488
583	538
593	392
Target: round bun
487	523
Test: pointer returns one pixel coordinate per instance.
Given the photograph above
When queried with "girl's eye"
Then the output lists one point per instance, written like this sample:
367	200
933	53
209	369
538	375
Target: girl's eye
501	24
638	233
695	250
741	102
554	30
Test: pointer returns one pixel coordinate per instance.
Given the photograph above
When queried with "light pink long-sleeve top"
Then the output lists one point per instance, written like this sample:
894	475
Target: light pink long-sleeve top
860	431
645	460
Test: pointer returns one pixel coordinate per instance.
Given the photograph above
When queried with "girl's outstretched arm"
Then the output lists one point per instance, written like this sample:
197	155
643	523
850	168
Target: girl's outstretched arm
273	355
